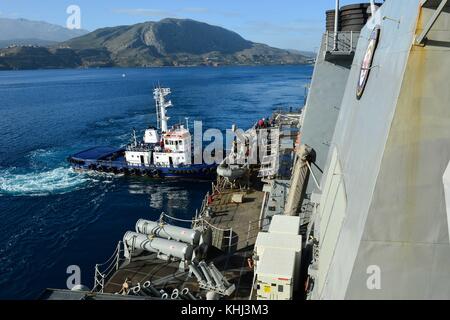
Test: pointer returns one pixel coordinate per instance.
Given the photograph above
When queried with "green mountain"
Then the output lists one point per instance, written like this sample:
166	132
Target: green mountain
169	42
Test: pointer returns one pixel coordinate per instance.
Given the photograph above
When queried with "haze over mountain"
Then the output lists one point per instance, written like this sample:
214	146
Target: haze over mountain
22	31
169	42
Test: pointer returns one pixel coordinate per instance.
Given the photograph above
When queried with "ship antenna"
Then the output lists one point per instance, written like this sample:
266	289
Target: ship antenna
134	137
336	26
158	114
187	123
159	94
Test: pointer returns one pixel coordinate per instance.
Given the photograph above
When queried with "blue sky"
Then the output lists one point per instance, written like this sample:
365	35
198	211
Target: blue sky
290	24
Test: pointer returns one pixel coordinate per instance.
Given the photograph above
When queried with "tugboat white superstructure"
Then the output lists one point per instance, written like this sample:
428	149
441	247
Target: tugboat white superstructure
162	152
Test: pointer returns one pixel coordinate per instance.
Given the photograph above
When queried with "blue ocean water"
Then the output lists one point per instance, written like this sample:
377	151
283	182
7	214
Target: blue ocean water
52	217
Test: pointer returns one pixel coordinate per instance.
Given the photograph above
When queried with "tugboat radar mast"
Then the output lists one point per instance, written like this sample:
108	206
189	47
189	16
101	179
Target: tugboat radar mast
160	94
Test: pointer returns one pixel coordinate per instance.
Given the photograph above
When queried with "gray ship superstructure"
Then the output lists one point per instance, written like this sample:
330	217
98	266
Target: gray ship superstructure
380	224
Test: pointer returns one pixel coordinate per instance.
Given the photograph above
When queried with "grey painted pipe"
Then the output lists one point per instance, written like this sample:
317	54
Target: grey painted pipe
197	273
185	291
219	274
146	292
204	269
175	294
186	295
168	231
171	248
148	285
217	278
136	290
183	294
191	296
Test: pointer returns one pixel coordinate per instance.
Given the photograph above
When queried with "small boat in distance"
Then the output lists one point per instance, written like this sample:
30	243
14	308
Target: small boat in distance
162	153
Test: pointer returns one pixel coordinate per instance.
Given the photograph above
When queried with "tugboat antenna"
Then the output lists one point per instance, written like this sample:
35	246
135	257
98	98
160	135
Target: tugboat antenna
159	94
134	137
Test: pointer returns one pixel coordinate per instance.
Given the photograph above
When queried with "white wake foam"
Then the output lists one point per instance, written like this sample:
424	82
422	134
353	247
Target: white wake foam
56	181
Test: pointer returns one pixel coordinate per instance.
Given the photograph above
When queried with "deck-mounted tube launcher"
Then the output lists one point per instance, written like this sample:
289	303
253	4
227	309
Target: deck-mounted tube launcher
170	243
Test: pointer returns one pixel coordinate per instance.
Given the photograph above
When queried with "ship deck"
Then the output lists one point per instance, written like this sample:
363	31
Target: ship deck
167	276
232	262
97	153
240	217
235	217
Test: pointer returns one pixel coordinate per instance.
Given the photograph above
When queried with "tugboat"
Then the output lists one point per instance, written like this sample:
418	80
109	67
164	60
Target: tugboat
162	153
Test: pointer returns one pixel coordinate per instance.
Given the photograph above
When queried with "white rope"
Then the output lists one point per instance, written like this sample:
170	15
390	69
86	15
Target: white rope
181	220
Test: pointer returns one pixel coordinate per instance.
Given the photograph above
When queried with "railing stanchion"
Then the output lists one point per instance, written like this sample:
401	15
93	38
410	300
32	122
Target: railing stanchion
248	233
230	240
351	41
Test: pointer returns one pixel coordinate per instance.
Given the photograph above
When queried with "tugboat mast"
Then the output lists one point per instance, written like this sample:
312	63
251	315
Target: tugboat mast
134	138
159	94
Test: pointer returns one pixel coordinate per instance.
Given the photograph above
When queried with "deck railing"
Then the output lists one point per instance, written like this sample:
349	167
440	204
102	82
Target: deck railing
344	42
104	271
119	164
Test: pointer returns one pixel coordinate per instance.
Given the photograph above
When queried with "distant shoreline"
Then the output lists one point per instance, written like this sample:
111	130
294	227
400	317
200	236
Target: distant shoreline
162	67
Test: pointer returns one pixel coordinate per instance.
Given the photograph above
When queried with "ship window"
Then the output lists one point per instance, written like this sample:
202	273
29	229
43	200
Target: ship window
280	288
